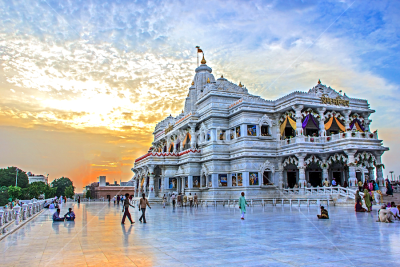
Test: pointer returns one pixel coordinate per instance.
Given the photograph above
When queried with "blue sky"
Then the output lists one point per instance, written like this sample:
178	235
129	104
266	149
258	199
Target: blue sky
112	69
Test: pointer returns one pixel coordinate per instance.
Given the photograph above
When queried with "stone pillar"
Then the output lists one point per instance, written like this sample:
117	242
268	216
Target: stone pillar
379	177
347	121
302	169
151	182
17	210
279	174
193	137
371	173
321	121
190	181
214	179
182	184
1	217
352	166
299	129
29	209
25	211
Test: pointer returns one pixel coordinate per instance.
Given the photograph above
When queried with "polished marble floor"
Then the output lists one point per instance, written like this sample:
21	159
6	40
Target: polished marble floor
207	236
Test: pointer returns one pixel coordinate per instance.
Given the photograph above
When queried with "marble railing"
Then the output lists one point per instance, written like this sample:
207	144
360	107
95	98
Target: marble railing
327	139
19	213
265	201
332	190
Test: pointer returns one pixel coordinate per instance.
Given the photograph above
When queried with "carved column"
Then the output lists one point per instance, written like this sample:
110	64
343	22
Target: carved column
302	169
280	173
352	166
347	121
151	182
321	121
299	128
193	136
379	171
324	167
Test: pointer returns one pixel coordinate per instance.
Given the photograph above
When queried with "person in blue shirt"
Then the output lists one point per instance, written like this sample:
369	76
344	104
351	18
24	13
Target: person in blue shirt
56	216
70	215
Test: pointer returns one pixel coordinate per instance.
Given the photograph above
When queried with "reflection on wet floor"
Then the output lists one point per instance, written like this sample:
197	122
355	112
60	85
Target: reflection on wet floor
204	236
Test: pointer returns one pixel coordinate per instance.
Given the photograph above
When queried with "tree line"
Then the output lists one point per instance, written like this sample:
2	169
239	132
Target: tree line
23	190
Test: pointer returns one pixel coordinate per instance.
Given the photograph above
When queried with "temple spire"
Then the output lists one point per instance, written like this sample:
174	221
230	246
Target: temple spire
203	61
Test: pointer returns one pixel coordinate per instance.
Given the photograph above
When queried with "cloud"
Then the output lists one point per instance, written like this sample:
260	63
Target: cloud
114	69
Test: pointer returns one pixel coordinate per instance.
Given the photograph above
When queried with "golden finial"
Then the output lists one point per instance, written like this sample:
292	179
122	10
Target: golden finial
182	110
319	81
240	84
188	95
192	82
208	80
222	76
203	61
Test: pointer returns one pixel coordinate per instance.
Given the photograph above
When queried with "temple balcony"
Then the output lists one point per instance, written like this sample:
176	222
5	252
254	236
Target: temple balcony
353	136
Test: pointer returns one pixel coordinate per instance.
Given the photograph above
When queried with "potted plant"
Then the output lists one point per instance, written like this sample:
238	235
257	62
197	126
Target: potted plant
329	138
371	135
353	134
312	139
363	134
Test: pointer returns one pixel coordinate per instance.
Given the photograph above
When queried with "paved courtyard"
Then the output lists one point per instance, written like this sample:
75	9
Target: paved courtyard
206	236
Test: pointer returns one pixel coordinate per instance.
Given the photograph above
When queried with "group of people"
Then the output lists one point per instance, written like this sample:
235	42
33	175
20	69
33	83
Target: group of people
182	199
121	198
143	203
388	213
69	216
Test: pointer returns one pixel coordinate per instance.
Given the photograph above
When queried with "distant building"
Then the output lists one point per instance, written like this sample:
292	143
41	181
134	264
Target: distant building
102	189
37	178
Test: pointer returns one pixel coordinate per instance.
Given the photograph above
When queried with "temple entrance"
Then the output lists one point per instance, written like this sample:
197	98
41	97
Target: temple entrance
338	177
291	179
359	176
315	179
289	131
267	175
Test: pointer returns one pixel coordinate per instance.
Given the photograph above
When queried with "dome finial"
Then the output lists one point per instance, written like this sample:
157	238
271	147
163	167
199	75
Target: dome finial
192	82
319	81
203	61
240	84
208	80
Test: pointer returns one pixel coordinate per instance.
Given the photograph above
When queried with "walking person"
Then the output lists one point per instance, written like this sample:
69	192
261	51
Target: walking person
164	199
196	203
118	199
125	210
242	205
142	206
184	199
179	198
190	200
173	200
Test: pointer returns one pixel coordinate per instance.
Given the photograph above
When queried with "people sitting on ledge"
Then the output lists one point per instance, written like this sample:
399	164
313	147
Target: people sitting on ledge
56	216
70	215
324	214
46	205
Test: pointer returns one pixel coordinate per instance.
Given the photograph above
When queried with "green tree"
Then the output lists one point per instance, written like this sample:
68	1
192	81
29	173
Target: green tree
36	189
88	194
49	192
3	195
61	184
69	191
7	177
14	191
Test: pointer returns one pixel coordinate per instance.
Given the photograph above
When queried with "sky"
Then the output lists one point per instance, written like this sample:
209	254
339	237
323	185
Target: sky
83	83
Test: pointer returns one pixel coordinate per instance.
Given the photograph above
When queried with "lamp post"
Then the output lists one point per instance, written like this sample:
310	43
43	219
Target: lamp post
16	177
391	176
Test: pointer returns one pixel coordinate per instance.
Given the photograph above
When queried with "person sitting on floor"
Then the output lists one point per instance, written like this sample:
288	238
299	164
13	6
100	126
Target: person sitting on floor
385	215
394	210
324	214
52	206
46	205
358	207
70	215
56	216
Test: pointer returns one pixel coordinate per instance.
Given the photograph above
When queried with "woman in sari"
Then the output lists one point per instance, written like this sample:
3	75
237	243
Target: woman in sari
358	206
365	186
367	200
389	188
